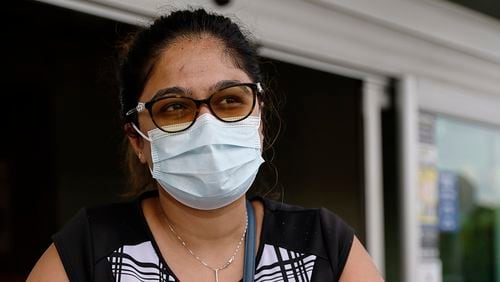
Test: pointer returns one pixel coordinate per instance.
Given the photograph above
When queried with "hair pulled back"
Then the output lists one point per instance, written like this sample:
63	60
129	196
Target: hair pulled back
143	50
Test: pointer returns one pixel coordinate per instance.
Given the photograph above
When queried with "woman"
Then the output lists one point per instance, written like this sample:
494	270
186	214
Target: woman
193	103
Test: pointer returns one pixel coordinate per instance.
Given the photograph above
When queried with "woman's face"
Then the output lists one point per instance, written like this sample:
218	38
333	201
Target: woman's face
197	64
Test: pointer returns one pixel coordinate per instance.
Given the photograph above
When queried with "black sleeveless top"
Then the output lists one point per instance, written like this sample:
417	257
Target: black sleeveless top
114	243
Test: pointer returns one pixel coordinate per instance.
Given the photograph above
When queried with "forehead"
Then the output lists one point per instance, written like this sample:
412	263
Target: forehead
194	62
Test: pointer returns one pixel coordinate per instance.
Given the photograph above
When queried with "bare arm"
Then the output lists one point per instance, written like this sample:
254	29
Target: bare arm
359	265
48	268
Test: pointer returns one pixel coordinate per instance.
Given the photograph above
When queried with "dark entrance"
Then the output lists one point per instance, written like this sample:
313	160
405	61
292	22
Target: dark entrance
320	153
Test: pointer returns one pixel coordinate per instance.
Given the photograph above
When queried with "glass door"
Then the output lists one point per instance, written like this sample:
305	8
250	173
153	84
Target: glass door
459	194
450	159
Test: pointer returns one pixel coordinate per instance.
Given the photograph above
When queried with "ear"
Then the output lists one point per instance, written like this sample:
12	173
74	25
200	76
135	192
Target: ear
136	141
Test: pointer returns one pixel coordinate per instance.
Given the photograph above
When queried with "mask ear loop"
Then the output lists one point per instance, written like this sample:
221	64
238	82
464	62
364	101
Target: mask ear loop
146	138
140	133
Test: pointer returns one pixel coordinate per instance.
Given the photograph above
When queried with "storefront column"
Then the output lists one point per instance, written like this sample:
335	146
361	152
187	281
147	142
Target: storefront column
408	130
373	98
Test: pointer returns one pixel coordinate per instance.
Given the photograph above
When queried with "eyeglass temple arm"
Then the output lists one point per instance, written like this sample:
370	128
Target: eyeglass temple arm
259	88
139	108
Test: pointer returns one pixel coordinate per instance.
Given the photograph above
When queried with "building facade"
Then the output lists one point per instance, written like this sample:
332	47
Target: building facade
425	75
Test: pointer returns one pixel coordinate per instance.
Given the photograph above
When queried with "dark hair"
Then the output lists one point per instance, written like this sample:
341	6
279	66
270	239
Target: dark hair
144	48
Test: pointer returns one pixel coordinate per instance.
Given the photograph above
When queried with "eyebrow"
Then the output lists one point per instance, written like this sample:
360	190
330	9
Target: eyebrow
186	91
172	90
223	84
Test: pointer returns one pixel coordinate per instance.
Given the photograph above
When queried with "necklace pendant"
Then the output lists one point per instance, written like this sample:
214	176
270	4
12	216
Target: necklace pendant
216	271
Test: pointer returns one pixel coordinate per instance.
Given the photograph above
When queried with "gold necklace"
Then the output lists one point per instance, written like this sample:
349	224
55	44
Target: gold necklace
214	269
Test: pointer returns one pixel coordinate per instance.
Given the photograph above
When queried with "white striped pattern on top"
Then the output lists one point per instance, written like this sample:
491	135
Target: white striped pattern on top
279	264
132	263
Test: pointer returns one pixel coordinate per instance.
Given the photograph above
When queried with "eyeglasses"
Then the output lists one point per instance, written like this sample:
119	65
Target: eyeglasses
174	112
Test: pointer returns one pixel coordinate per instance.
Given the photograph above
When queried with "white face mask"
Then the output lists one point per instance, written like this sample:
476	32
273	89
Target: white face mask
209	165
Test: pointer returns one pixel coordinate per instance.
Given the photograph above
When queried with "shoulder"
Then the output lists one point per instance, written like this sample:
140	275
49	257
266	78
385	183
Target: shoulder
85	242
306	219
315	231
359	259
48	268
101	225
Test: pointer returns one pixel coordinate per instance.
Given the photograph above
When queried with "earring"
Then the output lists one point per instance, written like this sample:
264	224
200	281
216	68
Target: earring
140	156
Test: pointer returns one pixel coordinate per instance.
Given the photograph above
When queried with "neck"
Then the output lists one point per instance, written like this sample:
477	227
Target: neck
222	225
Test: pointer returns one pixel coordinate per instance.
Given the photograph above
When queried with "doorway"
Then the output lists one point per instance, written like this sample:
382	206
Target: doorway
319	155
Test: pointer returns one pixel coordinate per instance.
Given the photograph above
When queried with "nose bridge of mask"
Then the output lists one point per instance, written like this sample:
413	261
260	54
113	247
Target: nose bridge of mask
207	131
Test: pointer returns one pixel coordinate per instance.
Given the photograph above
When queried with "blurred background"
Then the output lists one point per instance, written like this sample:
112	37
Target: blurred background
392	120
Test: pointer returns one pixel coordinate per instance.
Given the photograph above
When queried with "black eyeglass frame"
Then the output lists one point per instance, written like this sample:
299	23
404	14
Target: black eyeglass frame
142	106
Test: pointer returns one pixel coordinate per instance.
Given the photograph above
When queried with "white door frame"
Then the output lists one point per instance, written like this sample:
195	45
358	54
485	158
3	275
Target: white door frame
407	108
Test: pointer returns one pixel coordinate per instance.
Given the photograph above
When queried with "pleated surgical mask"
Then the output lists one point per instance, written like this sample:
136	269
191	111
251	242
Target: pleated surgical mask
209	165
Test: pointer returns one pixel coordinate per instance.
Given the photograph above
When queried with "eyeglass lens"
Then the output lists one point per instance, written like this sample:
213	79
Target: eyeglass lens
176	113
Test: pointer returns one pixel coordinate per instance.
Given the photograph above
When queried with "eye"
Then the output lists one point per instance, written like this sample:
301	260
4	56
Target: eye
229	99
172	107
233	103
